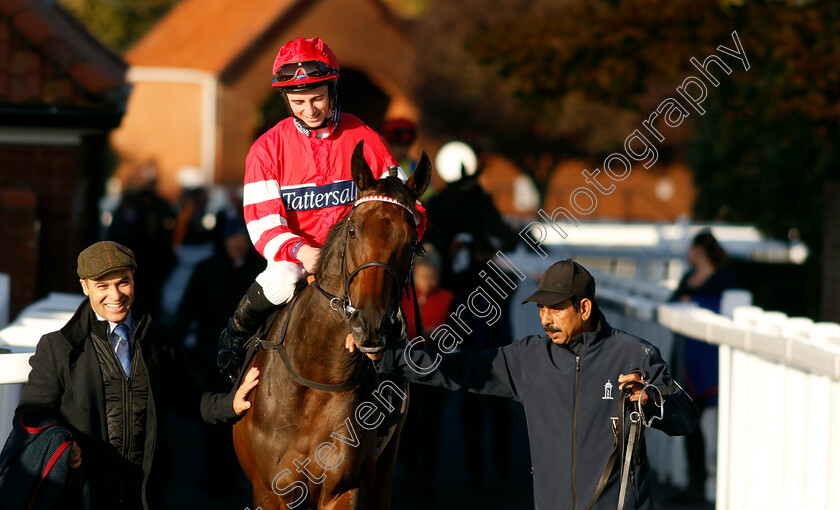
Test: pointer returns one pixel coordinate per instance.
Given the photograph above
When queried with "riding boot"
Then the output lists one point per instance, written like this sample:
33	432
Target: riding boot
251	311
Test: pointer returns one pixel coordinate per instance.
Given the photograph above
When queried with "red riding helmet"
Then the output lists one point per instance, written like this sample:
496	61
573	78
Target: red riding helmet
303	63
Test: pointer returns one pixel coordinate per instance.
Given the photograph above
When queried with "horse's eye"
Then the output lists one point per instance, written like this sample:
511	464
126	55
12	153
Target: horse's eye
351	231
419	249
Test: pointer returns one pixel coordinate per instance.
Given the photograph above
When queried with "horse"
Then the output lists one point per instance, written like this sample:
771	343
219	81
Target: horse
310	437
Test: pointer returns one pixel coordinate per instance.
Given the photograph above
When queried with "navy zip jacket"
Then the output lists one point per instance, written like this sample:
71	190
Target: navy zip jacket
570	392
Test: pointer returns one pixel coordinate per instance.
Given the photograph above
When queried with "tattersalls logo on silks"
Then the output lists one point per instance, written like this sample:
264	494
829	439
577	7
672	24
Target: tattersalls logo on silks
307	197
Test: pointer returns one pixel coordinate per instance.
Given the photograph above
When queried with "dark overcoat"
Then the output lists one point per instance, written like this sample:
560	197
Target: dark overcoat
66	379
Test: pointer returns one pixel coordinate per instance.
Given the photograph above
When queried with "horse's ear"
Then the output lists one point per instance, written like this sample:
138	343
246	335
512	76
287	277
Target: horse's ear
362	175
419	180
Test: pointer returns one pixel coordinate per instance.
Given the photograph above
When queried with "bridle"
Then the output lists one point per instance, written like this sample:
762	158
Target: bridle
344	304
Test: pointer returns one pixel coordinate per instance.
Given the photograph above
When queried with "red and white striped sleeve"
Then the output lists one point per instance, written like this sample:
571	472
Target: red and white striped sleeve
264	211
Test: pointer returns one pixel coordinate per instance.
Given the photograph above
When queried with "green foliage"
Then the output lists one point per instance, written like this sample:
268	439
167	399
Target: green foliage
118	23
546	79
768	142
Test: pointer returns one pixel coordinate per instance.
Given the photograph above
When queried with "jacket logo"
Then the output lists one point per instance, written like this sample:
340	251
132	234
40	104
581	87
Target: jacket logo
607	391
305	198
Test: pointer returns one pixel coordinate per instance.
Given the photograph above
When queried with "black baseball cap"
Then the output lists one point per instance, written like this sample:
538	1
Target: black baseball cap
561	281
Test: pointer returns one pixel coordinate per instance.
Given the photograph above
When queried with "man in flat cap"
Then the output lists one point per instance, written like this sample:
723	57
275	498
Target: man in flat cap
110	376
582	388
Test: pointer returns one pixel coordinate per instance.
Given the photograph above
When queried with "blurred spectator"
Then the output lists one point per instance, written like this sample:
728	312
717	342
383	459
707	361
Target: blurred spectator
189	225
401	133
229	211
144	222
211	296
697	361
419	446
472	255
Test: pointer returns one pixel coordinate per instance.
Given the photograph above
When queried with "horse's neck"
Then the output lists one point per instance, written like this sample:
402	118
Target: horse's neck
315	340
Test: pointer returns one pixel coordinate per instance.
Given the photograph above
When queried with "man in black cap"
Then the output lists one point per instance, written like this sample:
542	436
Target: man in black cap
110	376
572	382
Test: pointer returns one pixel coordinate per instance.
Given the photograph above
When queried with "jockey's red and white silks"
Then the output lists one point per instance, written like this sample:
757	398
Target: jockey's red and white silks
297	186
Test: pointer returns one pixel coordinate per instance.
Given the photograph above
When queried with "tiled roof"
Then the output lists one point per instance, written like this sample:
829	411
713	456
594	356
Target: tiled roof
209	34
48	58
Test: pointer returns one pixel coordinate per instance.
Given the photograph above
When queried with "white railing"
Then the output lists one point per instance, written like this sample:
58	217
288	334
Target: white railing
779	409
21	337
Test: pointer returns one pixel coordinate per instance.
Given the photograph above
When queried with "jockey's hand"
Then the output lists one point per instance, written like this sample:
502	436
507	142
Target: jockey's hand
350	344
75	456
637	390
308	256
240	403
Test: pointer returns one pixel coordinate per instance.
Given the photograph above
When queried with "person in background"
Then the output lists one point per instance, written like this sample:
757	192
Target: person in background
213	291
144	222
423	423
110	376
400	133
703	284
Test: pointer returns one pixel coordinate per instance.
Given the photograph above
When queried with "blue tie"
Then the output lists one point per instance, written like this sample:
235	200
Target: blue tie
123	349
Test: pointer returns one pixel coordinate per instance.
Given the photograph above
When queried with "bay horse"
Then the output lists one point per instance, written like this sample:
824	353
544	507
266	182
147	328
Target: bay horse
310	437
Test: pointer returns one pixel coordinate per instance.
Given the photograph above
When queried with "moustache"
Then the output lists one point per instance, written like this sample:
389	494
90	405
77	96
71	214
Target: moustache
552	330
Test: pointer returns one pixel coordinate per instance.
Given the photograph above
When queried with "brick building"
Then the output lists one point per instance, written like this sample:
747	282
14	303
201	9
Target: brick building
201	80
60	94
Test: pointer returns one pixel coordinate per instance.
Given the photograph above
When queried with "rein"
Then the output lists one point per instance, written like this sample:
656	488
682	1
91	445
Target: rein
280	347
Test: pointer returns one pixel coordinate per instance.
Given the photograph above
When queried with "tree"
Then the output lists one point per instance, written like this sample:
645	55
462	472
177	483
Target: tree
118	23
544	79
541	80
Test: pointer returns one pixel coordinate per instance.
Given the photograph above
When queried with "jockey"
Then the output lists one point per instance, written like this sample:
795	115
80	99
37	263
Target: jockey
298	184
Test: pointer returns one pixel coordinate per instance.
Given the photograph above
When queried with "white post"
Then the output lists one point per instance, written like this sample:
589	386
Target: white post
5	299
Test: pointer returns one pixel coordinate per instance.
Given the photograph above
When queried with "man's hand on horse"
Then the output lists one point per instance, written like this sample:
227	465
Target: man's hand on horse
637	390
240	402
308	256
351	345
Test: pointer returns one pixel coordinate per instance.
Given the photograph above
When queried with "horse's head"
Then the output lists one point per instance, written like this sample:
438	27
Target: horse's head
381	241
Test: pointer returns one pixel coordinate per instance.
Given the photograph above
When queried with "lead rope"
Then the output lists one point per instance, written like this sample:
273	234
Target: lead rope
635	420
638	425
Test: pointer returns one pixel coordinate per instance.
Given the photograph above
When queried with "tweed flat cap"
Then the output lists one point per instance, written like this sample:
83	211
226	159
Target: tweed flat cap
104	257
